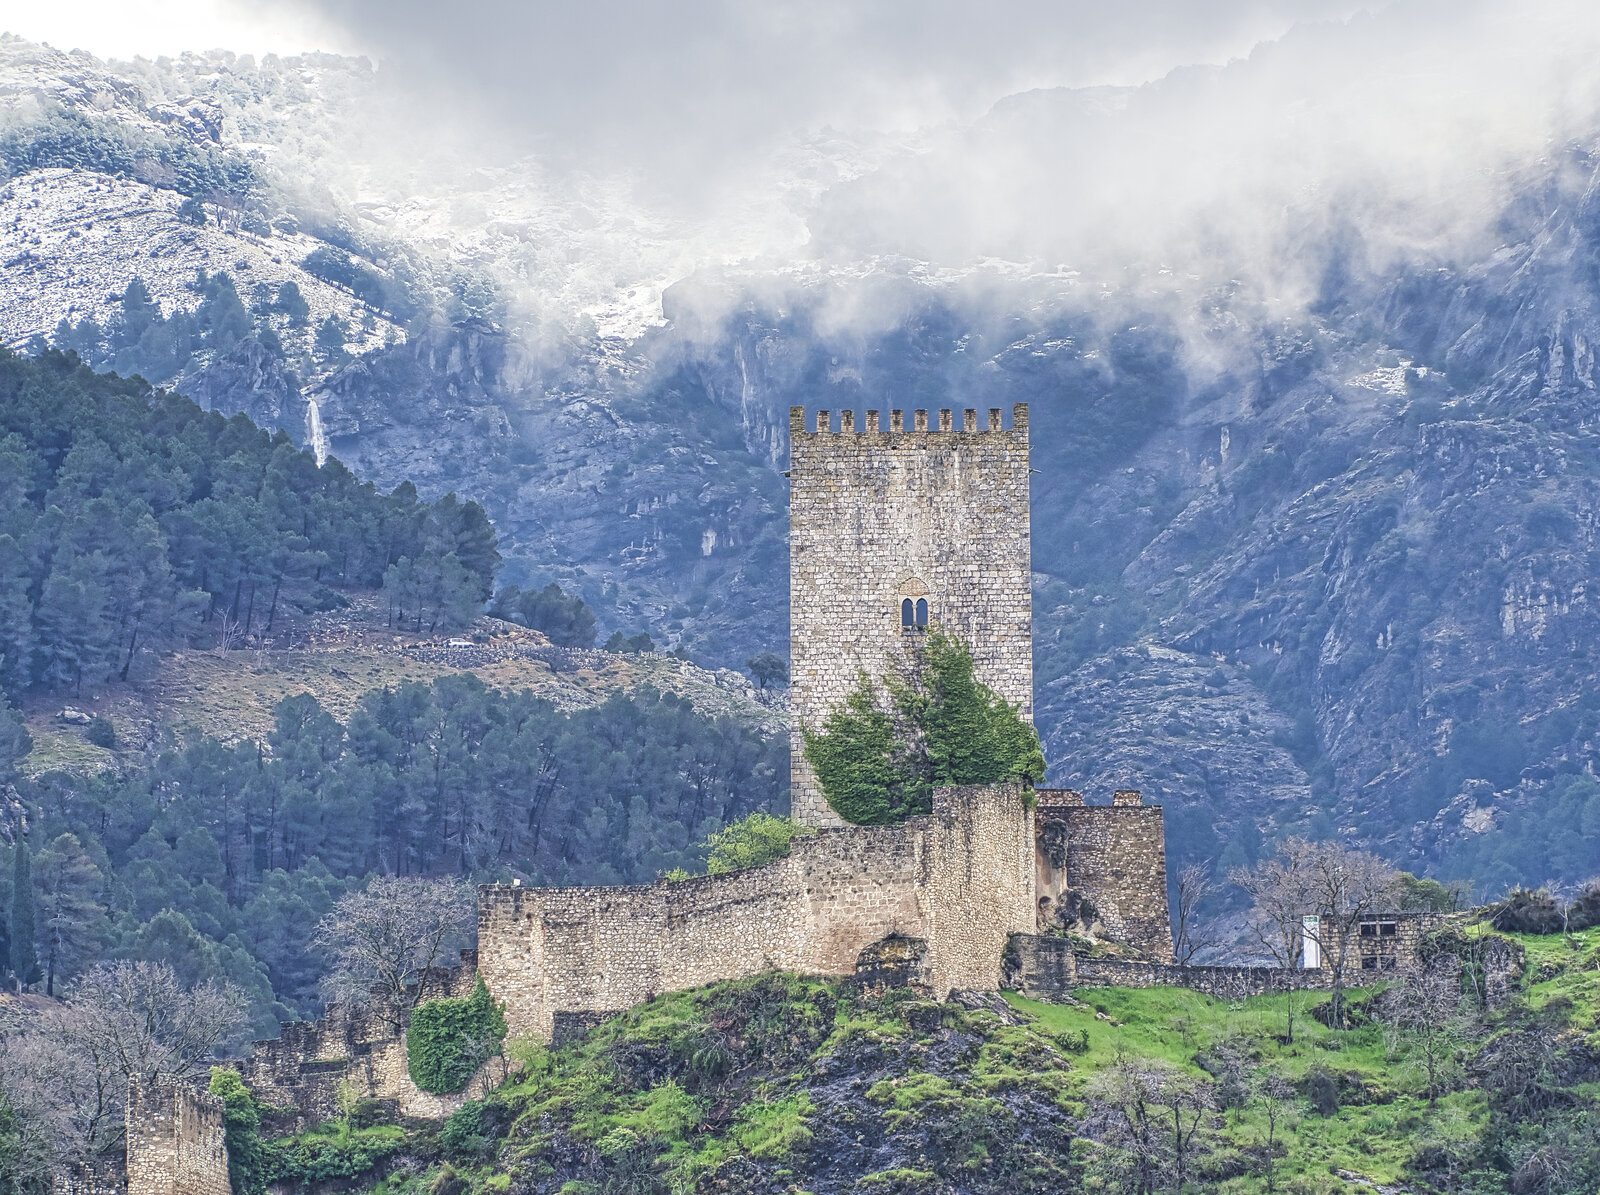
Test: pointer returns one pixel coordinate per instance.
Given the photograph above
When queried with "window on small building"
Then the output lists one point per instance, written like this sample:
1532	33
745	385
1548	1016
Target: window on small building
922	612
1387	929
907	613
1369	929
1370	963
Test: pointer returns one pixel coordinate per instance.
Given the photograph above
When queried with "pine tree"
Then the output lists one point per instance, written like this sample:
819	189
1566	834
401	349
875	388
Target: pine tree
24	959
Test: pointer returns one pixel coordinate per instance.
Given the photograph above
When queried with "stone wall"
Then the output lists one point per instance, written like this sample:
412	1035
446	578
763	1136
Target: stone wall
960	878
106	1176
175	1141
1044	968
879	515
1116	856
305	1065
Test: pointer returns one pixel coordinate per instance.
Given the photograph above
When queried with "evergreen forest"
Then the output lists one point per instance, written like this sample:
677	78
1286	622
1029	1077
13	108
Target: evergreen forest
133	523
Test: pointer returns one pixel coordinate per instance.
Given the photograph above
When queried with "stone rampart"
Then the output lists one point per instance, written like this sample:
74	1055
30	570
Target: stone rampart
960	878
881	516
1116	856
361	1050
175	1141
106	1176
1044	968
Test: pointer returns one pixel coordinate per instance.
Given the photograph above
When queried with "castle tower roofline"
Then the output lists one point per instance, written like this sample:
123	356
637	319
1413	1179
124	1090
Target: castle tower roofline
802	424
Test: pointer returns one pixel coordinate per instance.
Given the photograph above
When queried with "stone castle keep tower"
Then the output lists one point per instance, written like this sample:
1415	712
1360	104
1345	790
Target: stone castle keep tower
890	530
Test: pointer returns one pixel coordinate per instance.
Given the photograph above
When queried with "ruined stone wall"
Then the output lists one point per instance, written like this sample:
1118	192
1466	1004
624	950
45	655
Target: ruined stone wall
961	878
175	1141
105	1176
976	886
1044	968
304	1066
1116	856
879	515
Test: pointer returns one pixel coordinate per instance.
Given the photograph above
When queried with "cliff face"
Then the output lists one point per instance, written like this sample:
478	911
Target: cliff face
1339	584
1318	566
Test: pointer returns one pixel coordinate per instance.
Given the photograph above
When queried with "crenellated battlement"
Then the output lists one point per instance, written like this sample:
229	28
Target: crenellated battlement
895	530
828	422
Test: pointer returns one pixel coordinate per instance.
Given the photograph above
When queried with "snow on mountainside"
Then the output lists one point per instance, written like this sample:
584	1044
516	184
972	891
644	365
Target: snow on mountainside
71	241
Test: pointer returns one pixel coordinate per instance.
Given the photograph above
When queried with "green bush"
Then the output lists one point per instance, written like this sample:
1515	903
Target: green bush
471	1133
449	1039
750	842
102	733
241	1123
336	1151
1527	912
879	762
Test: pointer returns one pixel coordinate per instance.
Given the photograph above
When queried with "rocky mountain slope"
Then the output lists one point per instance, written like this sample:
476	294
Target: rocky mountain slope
1314	566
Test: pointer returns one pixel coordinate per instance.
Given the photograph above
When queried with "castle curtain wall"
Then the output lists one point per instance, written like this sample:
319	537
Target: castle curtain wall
960	878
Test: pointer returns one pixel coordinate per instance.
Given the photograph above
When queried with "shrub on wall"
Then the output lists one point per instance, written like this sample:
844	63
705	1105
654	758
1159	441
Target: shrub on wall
449	1039
750	842
241	1122
879	756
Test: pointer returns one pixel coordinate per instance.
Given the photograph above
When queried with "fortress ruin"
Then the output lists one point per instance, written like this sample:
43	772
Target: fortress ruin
893	529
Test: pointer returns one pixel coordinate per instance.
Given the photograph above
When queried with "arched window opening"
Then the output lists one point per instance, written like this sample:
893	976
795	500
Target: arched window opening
922	612
906	614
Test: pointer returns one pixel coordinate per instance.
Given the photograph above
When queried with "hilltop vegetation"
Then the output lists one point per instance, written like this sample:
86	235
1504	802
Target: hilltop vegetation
782	1084
137	529
130	519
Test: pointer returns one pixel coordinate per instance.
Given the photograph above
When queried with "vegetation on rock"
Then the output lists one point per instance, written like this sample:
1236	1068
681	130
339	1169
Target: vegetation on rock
778	1084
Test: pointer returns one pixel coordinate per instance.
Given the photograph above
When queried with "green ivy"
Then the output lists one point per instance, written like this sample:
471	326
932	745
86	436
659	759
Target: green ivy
241	1122
449	1039
880	755
332	1151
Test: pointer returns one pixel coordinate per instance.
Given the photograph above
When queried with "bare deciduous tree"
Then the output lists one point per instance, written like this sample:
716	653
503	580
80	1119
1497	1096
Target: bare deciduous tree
1424	1013
1336	884
383	939
1279	895
1274	1094
1189	936
66	1075
1151	1113
1345	885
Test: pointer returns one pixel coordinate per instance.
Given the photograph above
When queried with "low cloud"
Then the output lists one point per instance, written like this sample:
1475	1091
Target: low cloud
1196	143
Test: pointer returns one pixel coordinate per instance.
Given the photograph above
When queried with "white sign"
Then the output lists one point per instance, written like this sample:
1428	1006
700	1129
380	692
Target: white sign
1311	945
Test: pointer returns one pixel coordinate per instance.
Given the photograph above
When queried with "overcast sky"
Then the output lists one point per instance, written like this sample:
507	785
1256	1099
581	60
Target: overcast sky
625	72
1410	118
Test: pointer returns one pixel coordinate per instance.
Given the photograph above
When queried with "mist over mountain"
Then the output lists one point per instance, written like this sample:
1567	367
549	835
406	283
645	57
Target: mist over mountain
1307	338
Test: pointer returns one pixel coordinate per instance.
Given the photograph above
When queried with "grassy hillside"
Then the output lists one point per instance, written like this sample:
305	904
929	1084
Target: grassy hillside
338	657
785	1084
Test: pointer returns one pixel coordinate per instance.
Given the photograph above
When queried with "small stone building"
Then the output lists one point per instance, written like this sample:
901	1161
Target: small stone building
1381	942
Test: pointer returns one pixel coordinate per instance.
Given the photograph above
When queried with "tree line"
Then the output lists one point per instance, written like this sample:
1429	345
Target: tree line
130	519
220	857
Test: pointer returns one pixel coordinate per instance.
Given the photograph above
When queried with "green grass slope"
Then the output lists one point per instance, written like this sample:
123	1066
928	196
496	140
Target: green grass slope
783	1084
